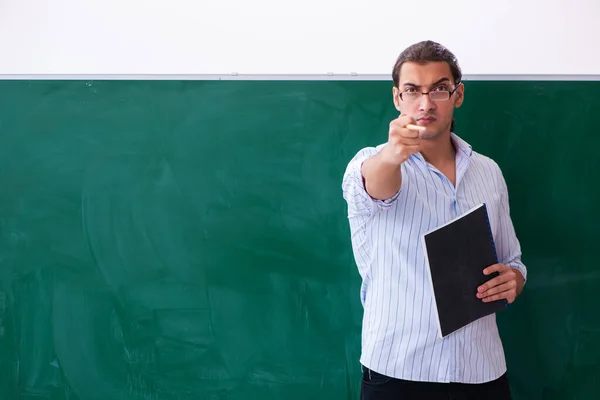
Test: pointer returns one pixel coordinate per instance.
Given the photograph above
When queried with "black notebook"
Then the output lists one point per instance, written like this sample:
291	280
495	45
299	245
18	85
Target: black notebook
457	253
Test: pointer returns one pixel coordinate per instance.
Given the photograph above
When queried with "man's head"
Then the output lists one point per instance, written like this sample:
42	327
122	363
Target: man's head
428	67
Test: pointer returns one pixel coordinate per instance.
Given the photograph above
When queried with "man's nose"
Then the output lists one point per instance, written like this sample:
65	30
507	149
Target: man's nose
426	104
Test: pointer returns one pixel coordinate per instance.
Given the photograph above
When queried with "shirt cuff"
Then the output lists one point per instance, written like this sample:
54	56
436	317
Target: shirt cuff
519	267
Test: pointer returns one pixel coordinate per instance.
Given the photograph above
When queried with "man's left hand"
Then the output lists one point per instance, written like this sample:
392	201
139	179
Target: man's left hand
507	285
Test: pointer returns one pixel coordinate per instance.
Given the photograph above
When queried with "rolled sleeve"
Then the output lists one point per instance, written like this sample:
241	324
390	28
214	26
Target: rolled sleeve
519	266
354	191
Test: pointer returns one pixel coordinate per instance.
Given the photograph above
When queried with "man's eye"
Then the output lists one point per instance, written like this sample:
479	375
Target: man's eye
440	89
409	90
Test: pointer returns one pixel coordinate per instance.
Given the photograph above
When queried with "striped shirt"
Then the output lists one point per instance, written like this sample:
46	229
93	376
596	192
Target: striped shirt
400	331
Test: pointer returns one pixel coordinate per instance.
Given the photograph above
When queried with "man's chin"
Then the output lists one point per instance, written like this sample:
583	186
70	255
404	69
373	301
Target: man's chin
429	134
433	132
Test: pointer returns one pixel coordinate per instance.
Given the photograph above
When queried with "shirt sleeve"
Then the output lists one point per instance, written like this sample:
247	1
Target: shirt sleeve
508	246
353	187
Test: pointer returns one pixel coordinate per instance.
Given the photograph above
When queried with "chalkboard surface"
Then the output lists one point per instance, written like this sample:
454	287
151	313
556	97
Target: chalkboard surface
188	239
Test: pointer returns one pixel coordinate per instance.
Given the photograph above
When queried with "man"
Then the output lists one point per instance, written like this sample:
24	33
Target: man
395	192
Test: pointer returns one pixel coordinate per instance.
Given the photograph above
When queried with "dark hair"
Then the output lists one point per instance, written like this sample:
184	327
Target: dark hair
424	52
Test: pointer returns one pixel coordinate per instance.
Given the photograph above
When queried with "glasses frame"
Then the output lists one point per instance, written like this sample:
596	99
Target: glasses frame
450	93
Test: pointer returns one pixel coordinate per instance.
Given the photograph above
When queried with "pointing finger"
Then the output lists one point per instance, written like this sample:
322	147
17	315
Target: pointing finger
417	128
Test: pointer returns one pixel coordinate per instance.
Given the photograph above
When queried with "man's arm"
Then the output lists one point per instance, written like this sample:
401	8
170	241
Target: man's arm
381	173
382	178
513	273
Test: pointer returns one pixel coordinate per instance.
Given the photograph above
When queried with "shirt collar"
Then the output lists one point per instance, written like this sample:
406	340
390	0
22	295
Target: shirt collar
461	145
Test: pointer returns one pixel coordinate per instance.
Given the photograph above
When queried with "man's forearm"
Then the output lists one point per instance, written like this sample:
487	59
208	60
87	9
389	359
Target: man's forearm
382	178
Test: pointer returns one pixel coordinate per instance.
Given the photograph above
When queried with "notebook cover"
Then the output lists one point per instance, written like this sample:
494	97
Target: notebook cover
457	253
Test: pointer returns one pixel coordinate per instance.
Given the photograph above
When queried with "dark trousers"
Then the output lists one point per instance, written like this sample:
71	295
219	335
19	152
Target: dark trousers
375	386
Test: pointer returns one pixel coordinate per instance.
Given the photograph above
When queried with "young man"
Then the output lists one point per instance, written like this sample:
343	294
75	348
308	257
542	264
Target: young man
395	192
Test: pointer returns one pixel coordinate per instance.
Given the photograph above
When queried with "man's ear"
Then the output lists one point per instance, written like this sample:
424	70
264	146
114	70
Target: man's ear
460	95
395	97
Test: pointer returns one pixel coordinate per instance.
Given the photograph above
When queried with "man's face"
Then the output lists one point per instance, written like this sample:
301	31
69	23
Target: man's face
422	78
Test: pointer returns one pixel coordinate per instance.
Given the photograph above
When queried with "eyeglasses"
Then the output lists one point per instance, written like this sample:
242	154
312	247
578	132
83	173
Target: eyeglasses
436	95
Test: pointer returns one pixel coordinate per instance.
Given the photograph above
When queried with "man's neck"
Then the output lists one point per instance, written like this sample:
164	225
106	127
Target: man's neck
439	151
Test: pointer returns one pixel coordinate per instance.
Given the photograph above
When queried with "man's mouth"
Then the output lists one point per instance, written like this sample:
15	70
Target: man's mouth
426	120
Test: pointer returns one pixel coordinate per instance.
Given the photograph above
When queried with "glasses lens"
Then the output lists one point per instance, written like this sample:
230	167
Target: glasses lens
439	96
410	96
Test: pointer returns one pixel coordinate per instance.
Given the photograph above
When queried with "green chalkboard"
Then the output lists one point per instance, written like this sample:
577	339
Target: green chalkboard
188	239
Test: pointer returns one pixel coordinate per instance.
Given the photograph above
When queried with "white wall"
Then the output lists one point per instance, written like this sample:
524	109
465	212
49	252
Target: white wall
294	37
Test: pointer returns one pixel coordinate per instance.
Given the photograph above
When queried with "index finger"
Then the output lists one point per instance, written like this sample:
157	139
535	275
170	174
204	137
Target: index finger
416	127
400	127
405	119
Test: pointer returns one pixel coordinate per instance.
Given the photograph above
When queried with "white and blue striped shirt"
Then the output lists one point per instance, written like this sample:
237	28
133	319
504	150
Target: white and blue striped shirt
399	334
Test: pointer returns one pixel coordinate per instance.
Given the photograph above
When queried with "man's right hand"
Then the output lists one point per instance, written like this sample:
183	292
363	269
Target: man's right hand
381	173
402	141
